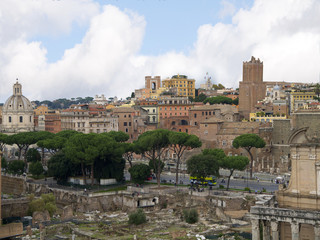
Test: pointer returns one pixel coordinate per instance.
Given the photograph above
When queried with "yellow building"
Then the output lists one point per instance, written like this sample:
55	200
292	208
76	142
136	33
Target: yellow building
185	87
110	107
265	118
300	97
156	93
41	110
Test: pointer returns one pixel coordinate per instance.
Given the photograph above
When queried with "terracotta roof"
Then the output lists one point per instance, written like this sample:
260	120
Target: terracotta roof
123	110
74	110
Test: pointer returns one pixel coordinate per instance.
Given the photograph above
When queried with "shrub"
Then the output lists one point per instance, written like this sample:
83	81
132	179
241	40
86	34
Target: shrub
36	205
33	155
45	202
247	189
36	168
47	198
190	216
4	163
137	217
221	186
51	207
16	167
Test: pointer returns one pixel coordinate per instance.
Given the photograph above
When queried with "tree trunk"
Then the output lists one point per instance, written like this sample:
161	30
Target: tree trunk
177	170
92	176
42	151
251	163
231	172
83	174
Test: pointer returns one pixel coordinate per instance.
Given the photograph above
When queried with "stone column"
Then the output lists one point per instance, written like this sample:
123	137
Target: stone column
275	230
266	230
295	231
317	232
255	229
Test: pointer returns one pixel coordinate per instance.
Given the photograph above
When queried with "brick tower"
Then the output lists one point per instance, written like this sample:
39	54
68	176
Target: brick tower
252	88
152	83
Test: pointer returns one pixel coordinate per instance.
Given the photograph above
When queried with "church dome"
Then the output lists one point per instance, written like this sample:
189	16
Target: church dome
276	88
17	112
17	102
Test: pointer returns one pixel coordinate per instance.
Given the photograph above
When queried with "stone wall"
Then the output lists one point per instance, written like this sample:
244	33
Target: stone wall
13	185
14	207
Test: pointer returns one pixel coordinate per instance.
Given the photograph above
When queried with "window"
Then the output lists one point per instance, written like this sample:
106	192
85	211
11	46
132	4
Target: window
129	123
195	115
125	124
126	129
21	119
9	118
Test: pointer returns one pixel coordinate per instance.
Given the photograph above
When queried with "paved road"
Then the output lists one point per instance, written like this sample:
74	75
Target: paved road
239	183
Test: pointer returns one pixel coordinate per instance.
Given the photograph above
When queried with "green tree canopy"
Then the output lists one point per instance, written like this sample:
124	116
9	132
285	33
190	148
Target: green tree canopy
247	142
3	141
16	167
129	149
83	149
33	155
218	100
219	86
36	168
60	167
23	140
118	136
152	144
41	136
100	152
4	163
57	142
139	173
202	166
179	142
234	163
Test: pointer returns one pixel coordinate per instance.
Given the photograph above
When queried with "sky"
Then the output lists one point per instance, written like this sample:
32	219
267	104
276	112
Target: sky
78	48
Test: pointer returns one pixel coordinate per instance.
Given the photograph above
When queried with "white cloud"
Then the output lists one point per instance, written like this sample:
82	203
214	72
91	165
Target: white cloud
228	9
285	35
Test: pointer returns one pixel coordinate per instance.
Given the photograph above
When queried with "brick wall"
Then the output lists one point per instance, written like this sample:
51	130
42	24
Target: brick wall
13	185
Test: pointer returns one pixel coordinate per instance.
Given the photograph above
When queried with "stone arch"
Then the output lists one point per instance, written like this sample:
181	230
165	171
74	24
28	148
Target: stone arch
153	85
299	136
184	122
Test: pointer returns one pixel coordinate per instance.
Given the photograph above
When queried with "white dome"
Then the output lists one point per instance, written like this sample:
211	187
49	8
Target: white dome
17	112
276	88
17	103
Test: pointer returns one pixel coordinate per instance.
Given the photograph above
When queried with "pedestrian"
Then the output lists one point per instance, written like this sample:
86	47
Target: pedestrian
258	179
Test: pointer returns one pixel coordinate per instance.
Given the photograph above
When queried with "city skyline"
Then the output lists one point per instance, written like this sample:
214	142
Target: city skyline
83	48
